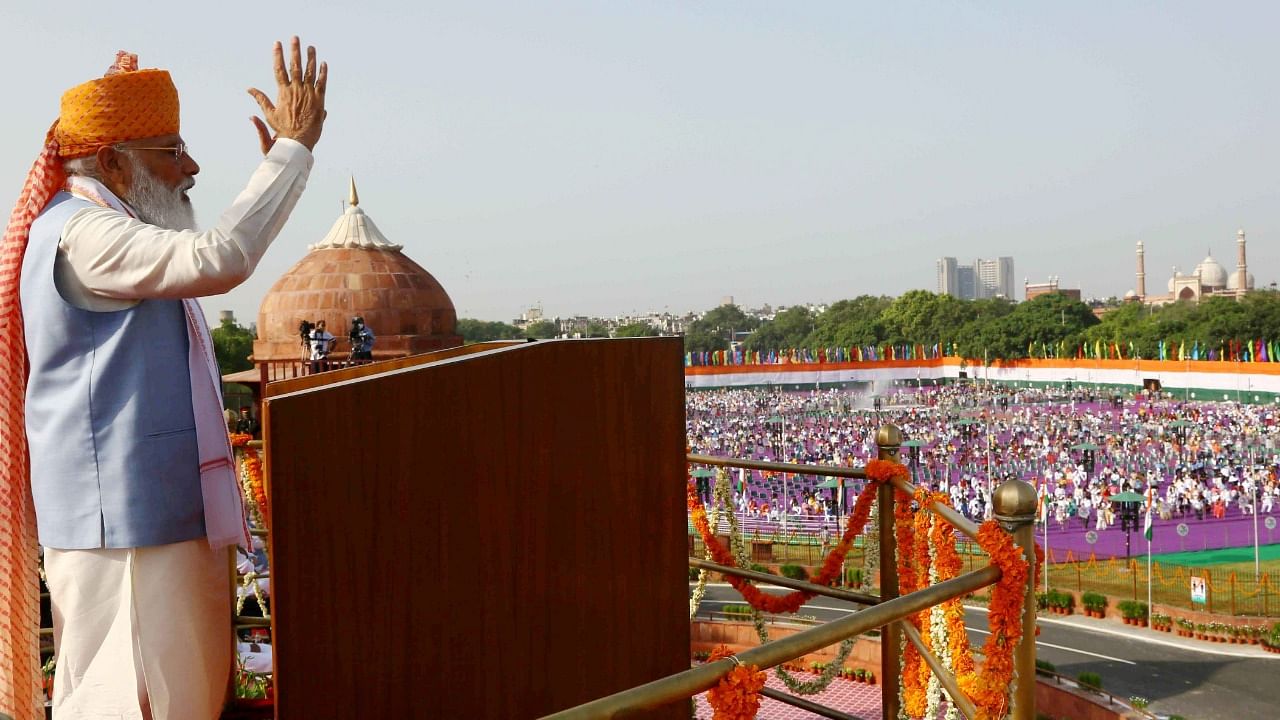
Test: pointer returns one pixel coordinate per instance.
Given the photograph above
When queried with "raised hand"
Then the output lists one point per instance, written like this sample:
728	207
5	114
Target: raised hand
298	112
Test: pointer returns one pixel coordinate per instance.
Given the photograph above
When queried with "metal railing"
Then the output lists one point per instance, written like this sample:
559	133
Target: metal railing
1014	504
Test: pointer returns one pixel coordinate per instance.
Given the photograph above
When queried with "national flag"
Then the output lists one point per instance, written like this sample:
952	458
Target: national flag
1146	525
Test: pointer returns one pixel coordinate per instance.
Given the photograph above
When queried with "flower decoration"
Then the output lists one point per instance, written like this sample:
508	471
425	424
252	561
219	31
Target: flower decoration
878	472
737	697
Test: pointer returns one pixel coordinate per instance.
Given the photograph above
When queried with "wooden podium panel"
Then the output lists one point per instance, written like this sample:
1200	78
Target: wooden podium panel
499	535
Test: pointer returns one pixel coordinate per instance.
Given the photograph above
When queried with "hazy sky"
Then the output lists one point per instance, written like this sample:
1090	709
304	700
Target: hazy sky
611	157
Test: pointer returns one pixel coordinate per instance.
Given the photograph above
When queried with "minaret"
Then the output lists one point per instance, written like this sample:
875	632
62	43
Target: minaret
1242	268
1142	274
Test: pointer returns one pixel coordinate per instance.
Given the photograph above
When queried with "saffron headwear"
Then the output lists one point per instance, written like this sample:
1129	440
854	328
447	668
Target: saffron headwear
127	104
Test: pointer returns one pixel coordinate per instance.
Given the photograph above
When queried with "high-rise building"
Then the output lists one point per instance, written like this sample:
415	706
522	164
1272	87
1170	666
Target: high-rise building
982	279
995	278
966	283
947	280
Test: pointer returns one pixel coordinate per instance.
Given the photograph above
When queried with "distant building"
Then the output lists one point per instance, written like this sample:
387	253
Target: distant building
947	277
995	277
1032	290
982	279
966	283
1208	279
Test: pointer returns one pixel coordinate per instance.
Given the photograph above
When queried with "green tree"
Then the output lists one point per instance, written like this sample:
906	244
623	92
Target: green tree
232	346
712	330
986	333
788	329
595	330
473	331
542	330
636	329
851	322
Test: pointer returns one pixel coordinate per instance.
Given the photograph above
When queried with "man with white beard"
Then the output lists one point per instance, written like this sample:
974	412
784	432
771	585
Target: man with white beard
135	496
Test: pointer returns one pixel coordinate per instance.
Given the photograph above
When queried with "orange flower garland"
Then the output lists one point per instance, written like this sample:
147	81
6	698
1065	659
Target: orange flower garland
913	698
989	688
878	473
737	697
252	486
948	564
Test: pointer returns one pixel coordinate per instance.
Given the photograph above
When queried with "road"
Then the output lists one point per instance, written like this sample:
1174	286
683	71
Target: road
1214	683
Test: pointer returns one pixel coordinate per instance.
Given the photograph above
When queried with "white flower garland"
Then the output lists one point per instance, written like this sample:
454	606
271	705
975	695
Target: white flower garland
713	521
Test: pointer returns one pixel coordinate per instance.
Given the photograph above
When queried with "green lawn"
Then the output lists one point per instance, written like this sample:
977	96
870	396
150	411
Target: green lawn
1235	556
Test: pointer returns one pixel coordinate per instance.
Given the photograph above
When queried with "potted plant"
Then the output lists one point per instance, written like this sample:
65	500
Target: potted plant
1140	613
1095	604
871	677
1186	628
1089	680
861	675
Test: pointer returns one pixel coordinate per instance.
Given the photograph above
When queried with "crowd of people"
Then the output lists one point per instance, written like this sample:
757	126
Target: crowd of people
1079	447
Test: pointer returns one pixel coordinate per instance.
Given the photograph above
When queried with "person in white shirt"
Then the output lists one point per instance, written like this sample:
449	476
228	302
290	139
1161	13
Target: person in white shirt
141	602
321	345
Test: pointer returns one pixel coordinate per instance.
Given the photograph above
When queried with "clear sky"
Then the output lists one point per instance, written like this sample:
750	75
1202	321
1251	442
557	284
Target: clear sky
610	157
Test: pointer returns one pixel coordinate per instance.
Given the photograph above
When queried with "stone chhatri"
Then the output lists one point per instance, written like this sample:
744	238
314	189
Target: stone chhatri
354	271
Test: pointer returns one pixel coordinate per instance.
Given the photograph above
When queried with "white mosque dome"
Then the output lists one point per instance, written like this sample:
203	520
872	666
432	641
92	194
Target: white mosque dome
1234	282
1212	275
1131	295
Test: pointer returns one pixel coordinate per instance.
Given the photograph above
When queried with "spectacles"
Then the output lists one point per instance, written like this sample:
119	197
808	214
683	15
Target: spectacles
178	150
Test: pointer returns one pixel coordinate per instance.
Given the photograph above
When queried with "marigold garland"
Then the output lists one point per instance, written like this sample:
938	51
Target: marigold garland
989	687
926	552
737	697
948	564
878	472
253	487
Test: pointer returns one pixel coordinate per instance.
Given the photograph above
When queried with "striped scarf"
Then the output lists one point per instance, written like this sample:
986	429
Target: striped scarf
21	695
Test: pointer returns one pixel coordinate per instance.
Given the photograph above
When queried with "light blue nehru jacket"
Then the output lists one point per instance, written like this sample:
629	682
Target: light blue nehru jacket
114	461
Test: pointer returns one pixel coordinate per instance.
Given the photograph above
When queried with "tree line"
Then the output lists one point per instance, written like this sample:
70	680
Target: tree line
1052	325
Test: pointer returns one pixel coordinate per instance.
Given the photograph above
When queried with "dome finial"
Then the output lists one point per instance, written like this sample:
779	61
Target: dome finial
354	199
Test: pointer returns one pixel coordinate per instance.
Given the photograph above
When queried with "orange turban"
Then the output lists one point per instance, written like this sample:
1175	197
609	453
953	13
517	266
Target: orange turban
127	104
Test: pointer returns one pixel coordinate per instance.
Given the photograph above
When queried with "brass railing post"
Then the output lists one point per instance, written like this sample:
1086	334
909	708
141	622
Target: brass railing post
1014	503
889	441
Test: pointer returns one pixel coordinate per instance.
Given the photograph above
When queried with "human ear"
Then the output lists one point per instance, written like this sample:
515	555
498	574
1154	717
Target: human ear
115	168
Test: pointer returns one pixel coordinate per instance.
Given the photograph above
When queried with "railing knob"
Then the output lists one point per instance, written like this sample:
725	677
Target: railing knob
1014	504
889	441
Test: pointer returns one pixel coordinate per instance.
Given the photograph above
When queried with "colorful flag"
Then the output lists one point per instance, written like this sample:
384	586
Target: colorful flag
1146	525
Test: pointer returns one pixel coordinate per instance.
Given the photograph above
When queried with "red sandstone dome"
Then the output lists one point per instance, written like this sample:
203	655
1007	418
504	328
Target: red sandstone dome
354	271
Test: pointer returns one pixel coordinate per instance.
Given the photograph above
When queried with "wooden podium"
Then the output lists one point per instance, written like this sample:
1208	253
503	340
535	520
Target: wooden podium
479	533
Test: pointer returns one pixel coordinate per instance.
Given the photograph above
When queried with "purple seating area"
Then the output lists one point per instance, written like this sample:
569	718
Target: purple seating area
1221	453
